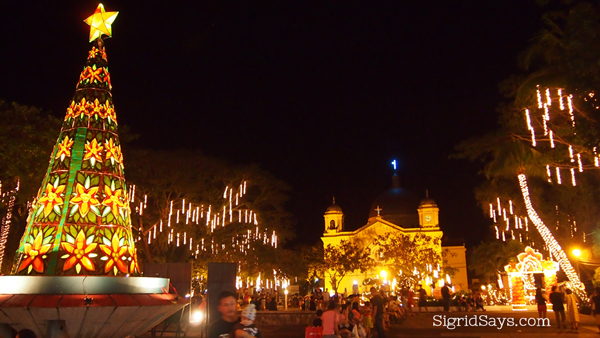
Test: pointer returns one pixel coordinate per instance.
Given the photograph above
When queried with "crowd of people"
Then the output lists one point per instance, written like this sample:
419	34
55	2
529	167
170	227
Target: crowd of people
559	298
336	316
346	317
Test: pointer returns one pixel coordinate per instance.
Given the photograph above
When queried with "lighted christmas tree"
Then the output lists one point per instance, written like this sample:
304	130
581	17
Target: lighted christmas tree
80	224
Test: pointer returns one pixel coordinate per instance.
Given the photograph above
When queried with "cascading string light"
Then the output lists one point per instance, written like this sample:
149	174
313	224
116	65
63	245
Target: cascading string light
550	241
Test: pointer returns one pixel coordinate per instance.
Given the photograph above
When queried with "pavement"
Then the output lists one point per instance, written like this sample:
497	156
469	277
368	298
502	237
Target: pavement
493	324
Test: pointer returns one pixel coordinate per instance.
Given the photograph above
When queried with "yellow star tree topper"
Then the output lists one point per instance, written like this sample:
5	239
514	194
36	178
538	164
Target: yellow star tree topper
100	22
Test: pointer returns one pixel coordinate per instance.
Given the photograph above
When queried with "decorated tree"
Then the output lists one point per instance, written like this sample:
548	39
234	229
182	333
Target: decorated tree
411	258
340	260
191	207
548	138
80	222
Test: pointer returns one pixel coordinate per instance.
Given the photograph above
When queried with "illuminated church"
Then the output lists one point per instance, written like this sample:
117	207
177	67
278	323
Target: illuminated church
397	210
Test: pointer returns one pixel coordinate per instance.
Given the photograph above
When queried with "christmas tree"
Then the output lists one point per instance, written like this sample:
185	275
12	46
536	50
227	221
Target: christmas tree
80	223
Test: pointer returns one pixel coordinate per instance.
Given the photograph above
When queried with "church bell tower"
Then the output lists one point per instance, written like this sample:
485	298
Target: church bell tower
334	219
428	213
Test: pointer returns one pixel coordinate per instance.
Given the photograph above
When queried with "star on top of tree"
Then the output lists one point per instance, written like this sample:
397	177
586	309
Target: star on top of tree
100	22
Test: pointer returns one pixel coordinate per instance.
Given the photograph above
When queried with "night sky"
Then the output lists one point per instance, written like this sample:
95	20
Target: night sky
324	95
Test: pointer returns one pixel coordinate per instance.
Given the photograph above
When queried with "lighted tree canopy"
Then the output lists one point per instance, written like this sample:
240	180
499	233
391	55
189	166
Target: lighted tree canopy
412	259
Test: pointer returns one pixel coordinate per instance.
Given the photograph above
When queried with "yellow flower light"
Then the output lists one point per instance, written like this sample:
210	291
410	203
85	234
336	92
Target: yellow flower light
51	198
113	253
34	252
100	22
93	152
112	151
79	253
85	198
64	148
112	200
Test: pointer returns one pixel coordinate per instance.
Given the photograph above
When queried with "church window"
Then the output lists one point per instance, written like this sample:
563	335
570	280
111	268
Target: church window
332	225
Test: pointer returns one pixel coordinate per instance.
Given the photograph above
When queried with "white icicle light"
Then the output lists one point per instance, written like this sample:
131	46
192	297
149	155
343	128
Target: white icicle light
560	100
570	103
571	153
533	143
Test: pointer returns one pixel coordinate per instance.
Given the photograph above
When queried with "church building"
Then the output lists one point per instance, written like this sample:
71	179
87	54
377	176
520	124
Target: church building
396	211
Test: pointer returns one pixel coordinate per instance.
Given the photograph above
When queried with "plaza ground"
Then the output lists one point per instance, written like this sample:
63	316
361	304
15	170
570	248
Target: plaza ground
422	326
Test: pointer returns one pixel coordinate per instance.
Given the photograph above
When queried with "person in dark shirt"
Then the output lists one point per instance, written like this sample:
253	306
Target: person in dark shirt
446	297
595	303
422	298
313	303
246	327
377	304
541	303
318	321
557	299
222	327
273	304
26	333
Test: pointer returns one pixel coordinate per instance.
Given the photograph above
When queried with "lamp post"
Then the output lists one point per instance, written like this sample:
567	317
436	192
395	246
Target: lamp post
577	253
285	292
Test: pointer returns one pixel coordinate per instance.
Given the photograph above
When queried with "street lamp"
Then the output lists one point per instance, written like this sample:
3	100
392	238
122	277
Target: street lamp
577	253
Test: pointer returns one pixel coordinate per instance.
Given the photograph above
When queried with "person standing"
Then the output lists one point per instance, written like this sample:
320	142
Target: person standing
557	299
330	319
422	299
222	327
595	303
26	333
541	303
572	312
377	304
368	318
326	299
446	297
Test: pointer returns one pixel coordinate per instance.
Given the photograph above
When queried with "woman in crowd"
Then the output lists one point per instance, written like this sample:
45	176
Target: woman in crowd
540	299
595	303
572	312
330	320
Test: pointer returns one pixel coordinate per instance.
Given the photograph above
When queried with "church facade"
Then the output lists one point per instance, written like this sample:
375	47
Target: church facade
396	211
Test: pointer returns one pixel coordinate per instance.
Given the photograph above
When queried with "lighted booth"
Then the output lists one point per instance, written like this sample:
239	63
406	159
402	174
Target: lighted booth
528	273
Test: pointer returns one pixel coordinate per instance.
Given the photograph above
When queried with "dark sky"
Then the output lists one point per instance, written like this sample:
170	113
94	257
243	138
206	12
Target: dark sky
321	94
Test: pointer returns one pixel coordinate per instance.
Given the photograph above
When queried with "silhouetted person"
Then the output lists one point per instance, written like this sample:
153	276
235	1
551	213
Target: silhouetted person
26	333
